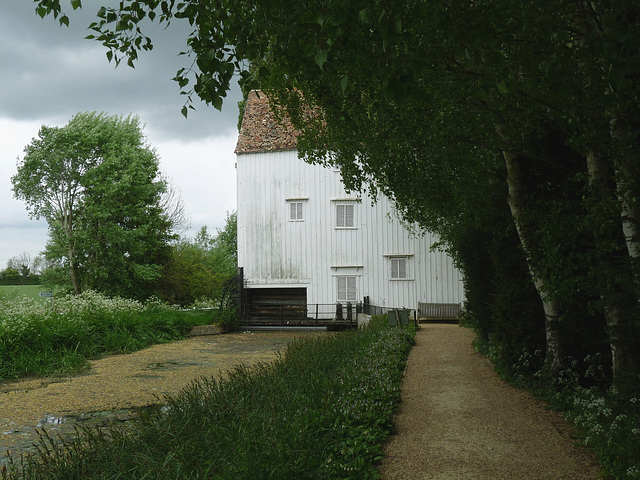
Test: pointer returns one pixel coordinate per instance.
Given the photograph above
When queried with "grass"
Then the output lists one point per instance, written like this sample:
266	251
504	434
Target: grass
59	337
320	411
29	291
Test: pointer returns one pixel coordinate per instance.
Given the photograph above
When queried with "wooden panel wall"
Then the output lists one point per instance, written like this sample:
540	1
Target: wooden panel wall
310	253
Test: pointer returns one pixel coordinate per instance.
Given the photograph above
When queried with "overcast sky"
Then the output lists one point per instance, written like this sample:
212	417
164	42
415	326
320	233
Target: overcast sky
49	73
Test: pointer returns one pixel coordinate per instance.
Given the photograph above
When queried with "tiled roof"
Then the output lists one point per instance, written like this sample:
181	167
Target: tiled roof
260	132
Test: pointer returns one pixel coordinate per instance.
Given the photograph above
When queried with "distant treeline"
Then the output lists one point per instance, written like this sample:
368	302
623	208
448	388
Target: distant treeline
13	277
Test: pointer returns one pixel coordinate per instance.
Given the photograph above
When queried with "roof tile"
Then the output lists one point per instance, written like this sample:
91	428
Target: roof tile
260	131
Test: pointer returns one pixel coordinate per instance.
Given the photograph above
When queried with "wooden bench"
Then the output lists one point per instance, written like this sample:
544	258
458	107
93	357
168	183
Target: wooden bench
439	312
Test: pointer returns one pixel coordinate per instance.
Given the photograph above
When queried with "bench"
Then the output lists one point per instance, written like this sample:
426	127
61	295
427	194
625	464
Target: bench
439	312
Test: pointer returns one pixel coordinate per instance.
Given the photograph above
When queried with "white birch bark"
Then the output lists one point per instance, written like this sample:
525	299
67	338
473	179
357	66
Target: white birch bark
597	174
553	358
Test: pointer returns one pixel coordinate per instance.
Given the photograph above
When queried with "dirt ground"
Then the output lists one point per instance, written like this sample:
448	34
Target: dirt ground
458	420
116	385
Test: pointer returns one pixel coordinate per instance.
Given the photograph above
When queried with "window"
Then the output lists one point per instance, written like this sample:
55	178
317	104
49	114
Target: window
295	211
399	268
345	215
347	288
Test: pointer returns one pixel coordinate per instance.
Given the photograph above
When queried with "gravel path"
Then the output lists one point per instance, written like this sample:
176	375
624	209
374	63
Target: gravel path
458	420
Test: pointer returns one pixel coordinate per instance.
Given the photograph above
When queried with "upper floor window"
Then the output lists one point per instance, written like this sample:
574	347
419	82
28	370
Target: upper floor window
296	212
399	268
345	215
295	208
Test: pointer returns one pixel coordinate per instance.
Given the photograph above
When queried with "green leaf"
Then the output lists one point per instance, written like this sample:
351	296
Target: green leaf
343	83
365	15
321	57
64	20
123	24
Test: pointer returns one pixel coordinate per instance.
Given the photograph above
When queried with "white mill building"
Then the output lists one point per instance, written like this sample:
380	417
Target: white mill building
305	244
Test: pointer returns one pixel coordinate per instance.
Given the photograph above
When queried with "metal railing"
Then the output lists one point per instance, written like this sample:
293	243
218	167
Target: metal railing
284	313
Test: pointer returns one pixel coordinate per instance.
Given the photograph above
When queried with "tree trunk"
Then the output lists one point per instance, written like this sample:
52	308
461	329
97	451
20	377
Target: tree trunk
73	270
73	273
553	356
623	159
598	174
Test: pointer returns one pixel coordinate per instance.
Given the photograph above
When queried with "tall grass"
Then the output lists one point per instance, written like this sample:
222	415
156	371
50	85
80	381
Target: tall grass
45	338
321	411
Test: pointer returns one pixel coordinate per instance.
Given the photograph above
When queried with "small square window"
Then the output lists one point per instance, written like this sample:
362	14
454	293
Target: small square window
399	268
296	212
345	215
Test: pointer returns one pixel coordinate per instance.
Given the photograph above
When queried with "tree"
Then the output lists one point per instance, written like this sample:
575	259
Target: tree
22	263
224	245
200	267
97	184
428	102
22	270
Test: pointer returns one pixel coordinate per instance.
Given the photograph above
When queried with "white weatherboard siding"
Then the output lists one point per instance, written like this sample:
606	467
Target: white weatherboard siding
309	251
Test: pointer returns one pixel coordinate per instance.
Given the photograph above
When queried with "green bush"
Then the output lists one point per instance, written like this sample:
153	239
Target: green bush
43	338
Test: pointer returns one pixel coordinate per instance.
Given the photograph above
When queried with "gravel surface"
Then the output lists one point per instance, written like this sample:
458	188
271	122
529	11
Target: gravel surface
458	420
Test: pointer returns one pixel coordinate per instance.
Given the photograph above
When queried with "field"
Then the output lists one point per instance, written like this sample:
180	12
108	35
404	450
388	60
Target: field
13	291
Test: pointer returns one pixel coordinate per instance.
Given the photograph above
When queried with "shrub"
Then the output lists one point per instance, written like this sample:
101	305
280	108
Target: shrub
42	338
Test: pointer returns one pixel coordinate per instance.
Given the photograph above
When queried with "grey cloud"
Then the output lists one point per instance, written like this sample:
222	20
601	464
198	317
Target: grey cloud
51	72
